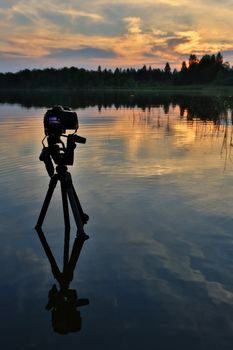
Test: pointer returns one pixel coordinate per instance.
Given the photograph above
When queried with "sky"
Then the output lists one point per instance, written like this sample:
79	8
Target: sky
110	34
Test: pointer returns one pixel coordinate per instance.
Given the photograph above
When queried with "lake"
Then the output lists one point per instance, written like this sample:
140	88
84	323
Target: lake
156	179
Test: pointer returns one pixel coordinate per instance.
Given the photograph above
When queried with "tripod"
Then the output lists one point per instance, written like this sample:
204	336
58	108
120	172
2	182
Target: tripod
68	193
64	301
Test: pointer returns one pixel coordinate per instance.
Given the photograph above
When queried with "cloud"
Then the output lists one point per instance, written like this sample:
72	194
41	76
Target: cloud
86	52
133	25
74	14
228	52
185	42
125	33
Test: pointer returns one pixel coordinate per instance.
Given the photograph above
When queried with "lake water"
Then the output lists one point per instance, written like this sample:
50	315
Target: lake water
156	179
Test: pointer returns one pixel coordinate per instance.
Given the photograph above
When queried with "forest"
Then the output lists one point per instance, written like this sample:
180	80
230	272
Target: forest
209	70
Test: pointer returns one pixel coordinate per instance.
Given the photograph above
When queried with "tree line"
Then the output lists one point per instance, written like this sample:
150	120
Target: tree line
210	69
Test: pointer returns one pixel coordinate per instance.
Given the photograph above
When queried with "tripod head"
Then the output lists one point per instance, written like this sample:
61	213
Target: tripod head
64	305
56	121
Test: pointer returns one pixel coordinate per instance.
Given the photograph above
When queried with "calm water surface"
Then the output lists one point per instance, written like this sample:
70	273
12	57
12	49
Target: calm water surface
157	269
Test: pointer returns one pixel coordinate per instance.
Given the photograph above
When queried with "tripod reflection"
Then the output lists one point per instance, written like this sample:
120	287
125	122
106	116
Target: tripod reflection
64	301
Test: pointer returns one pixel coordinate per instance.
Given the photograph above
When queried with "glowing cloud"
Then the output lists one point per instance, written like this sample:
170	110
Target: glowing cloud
133	25
135	33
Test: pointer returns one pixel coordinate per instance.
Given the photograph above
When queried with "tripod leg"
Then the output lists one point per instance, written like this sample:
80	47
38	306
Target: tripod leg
76	250
84	216
74	256
65	205
52	185
55	269
66	250
67	224
75	210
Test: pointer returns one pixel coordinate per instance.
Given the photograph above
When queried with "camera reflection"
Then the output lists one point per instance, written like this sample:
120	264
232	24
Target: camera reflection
63	301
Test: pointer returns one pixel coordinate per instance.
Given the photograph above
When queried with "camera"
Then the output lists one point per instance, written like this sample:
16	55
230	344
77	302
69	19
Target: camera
56	121
59	119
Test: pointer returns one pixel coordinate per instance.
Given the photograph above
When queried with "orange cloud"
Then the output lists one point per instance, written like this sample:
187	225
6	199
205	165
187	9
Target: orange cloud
139	33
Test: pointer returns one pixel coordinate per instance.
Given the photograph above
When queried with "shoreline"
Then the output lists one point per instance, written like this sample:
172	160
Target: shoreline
184	89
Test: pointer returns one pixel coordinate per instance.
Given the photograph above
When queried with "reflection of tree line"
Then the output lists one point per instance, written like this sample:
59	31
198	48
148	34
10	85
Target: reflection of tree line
201	107
206	108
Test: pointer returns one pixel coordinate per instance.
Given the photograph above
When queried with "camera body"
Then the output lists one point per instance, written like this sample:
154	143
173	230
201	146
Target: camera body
59	119
56	121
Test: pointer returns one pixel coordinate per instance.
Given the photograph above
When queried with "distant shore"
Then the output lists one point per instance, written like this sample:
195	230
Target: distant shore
162	89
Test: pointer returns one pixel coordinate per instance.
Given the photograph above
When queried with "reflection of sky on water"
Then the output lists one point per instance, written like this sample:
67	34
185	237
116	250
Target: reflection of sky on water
160	255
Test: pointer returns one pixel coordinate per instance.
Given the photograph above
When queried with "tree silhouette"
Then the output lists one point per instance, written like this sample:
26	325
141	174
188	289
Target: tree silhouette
167	69
208	69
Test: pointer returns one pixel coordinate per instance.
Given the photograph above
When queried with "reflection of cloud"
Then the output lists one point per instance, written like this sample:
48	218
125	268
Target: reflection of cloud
133	143
177	266
139	134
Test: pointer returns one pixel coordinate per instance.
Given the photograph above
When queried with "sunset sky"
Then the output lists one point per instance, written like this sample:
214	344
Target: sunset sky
116	33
